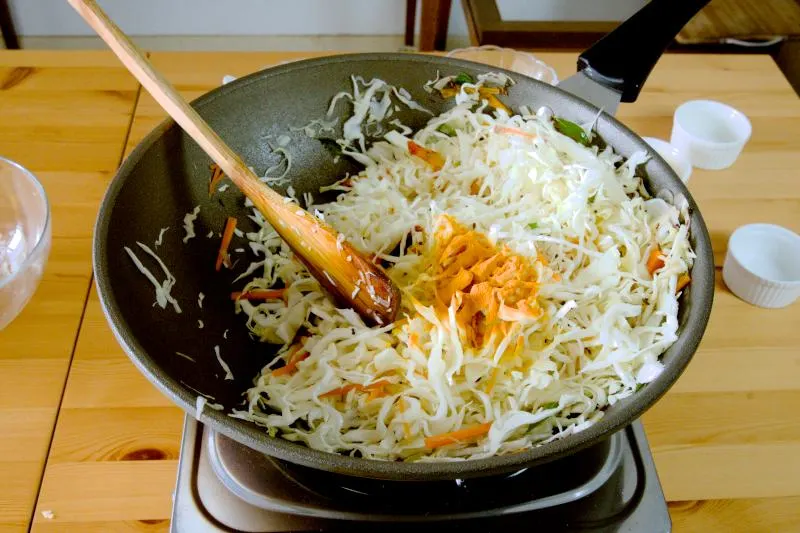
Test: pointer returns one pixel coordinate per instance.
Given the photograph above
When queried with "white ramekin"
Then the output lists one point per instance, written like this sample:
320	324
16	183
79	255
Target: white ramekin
676	158
762	266
711	133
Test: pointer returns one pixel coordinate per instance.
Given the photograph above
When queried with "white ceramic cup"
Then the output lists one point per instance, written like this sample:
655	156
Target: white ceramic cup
673	156
711	133
762	266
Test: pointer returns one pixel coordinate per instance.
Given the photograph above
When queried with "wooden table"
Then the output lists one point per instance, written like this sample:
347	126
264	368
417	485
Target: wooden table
86	437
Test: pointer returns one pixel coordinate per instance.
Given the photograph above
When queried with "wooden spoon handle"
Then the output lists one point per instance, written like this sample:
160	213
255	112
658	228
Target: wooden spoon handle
337	265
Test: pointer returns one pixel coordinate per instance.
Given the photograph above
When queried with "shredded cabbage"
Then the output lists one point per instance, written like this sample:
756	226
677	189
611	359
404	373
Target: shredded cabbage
188	223
571	223
160	239
223	364
162	289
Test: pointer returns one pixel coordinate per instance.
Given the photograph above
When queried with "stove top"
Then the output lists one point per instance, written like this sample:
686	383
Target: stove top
609	487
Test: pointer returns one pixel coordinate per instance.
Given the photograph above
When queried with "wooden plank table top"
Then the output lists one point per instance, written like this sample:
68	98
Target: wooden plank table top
64	116
726	438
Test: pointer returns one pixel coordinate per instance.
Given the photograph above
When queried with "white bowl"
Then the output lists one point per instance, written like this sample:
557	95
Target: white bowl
762	266
713	134
674	157
510	59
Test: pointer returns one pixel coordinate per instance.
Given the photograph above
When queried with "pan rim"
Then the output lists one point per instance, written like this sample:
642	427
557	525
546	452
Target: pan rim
255	437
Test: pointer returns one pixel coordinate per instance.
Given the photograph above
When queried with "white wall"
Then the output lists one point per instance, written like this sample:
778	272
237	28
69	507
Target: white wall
281	17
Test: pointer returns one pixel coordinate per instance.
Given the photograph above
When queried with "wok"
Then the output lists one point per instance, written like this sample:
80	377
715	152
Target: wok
167	176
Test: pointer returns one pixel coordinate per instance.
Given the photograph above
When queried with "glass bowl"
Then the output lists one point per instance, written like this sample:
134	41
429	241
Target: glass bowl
25	237
510	59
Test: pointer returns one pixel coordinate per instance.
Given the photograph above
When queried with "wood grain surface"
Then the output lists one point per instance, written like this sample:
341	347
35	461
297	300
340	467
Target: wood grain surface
726	438
65	116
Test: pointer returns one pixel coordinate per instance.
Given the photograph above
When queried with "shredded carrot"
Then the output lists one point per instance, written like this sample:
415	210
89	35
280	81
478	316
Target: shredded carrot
259	294
376	393
507	130
227	235
655	261
413	340
475	187
434	159
216	177
291	366
341	391
488	285
683	281
458	436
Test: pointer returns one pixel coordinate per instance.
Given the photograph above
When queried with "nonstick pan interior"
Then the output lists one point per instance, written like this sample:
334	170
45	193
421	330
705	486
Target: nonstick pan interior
166	177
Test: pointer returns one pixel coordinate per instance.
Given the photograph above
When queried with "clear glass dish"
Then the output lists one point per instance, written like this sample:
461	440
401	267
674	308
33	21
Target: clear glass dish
510	59
25	238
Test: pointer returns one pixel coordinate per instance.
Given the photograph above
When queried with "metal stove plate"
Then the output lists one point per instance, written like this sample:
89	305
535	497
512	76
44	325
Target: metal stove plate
203	504
257	480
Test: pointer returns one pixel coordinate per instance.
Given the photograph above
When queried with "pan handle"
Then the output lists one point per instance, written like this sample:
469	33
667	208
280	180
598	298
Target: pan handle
623	59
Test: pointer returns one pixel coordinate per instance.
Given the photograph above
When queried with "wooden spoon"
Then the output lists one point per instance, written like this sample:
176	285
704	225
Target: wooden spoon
347	274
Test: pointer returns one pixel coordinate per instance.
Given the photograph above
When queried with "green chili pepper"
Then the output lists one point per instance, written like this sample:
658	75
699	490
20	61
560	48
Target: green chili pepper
572	130
464	78
447	129
533	225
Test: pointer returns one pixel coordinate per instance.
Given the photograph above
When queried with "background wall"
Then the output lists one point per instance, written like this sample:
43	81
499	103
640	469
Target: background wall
280	17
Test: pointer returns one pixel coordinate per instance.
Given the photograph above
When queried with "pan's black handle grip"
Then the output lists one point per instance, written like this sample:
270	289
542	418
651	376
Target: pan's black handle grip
623	59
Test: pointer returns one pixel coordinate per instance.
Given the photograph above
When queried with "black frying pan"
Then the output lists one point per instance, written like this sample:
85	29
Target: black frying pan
167	176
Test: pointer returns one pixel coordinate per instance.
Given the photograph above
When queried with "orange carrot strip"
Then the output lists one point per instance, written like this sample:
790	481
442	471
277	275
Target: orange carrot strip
413	340
458	436
376	393
227	235
683	281
434	159
259	294
655	261
216	176
339	391
507	130
291	366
